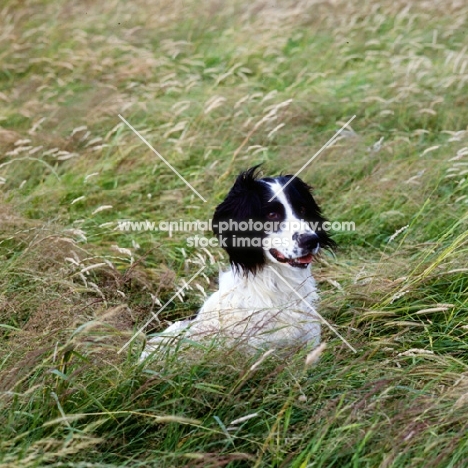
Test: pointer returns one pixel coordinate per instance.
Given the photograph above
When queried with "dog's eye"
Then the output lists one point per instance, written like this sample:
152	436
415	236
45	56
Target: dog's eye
273	215
302	210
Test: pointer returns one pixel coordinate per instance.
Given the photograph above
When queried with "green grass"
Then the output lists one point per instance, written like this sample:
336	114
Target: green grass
217	88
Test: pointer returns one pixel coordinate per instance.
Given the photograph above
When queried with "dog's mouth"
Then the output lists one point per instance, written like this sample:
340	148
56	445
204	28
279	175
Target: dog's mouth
298	262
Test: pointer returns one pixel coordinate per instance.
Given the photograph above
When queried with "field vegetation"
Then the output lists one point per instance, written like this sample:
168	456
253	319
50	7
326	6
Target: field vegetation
217	87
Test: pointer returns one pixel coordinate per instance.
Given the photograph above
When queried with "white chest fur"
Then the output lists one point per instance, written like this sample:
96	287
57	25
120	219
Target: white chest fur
259	310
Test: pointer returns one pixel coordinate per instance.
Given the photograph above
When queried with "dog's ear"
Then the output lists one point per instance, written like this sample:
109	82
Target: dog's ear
243	203
247	180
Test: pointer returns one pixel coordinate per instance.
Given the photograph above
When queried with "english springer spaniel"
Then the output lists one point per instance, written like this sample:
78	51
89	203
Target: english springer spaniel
272	229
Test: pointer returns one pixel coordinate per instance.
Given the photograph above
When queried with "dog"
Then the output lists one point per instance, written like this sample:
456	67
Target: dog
272	229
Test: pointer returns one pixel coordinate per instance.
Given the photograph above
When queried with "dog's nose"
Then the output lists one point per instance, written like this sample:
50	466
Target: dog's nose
307	240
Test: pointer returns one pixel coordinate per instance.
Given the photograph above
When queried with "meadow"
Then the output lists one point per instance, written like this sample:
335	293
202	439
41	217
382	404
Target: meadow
217	87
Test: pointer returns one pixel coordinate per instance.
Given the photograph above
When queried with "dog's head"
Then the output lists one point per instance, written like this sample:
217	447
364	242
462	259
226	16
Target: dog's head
272	220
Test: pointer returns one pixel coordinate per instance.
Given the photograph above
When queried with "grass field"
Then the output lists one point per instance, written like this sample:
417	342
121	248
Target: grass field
217	87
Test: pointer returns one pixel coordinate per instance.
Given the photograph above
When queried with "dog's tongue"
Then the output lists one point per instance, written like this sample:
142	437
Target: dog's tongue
304	259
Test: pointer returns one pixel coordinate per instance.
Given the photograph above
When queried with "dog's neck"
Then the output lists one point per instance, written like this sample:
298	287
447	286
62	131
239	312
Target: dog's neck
278	278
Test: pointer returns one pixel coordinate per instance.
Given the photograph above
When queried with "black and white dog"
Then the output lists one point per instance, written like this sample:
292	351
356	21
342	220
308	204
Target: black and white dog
272	229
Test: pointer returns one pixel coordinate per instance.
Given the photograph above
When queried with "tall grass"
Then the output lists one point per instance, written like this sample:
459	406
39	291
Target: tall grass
216	88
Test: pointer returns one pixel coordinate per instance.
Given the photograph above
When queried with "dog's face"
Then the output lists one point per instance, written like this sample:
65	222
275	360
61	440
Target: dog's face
270	220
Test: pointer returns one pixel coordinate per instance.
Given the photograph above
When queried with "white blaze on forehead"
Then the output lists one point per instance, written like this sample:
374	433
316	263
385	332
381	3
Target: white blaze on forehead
281	197
291	221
